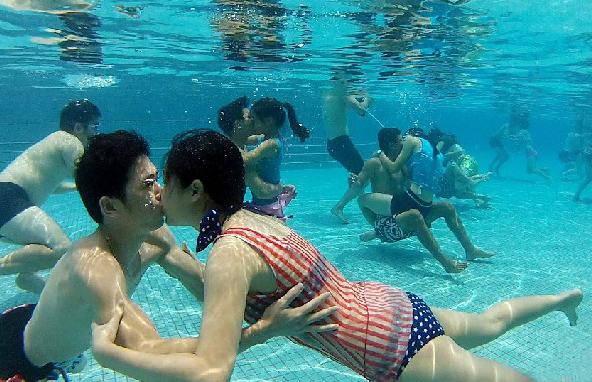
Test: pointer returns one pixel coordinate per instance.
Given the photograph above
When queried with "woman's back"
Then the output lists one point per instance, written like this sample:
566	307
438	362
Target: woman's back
374	319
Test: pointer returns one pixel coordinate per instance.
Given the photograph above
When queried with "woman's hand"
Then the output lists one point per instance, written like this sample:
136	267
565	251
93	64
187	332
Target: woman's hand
104	335
281	320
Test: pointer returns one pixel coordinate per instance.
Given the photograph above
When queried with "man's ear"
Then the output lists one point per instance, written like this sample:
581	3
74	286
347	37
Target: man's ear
78	128
109	206
197	189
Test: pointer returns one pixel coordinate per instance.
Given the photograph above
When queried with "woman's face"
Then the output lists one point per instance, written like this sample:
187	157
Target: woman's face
178	203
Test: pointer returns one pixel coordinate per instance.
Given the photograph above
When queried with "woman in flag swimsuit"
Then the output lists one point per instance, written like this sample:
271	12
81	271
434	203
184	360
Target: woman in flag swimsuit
384	334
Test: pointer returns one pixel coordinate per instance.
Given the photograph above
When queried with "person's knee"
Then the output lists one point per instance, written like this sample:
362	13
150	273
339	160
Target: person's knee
413	219
448	210
362	201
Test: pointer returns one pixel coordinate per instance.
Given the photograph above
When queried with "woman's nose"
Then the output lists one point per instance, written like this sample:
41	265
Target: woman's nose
158	191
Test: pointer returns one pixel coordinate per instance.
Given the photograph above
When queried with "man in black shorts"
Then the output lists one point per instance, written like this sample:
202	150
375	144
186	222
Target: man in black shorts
339	144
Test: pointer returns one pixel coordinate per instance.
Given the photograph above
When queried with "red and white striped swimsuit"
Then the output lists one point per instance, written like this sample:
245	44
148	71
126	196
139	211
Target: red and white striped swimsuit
374	319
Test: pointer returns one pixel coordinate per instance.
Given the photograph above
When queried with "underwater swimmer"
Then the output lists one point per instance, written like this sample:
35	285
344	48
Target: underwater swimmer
133	12
48	6
93	282
252	262
28	181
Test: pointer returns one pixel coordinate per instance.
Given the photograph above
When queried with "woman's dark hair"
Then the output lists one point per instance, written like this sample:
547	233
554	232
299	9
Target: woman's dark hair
419	133
212	158
80	111
104	168
272	108
436	136
229	114
386	137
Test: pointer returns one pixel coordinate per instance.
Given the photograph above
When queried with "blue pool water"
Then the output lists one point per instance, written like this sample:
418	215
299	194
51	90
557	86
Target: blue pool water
540	249
461	66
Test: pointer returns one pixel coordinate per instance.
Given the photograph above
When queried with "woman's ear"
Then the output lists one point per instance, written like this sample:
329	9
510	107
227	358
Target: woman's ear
197	189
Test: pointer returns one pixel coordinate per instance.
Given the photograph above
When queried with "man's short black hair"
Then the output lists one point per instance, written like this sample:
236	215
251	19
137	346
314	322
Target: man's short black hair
387	136
229	114
79	111
104	168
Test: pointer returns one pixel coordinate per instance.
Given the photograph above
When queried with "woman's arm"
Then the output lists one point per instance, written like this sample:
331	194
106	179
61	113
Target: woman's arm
227	279
267	149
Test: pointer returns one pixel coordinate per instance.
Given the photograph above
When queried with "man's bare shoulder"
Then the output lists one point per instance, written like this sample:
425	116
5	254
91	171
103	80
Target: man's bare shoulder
90	263
62	137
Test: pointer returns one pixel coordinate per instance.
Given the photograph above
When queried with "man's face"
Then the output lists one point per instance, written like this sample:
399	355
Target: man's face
84	131
246	126
177	203
398	145
142	195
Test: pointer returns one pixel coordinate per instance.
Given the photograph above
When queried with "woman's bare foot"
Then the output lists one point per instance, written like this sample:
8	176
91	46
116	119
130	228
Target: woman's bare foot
478	253
570	301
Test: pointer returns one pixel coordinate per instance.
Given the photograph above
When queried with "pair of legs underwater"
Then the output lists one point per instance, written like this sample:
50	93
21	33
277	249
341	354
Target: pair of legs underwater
43	243
412	222
446	359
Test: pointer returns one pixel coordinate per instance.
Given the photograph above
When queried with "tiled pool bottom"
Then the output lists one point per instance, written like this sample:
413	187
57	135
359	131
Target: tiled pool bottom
542	240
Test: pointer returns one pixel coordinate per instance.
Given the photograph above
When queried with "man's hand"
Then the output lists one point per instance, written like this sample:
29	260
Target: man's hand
352	179
281	320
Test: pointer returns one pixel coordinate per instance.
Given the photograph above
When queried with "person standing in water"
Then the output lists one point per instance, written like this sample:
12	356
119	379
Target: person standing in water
384	334
514	137
336	102
27	183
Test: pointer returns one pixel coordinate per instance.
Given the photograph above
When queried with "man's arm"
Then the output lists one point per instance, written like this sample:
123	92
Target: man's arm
359	102
71	148
178	263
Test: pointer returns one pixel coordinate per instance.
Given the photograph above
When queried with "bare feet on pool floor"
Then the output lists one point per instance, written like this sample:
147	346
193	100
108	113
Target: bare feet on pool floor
569	302
478	253
367	236
339	214
455	266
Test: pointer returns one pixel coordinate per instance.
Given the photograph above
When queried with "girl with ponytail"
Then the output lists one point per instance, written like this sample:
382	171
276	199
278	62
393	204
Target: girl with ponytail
269	115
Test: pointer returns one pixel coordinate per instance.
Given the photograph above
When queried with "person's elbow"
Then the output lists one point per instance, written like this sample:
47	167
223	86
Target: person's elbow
210	370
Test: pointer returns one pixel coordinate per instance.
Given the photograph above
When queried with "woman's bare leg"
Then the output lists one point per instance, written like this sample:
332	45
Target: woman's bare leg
442	360
475	329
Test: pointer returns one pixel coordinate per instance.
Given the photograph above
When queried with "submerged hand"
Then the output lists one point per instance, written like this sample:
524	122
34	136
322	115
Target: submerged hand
106	333
281	320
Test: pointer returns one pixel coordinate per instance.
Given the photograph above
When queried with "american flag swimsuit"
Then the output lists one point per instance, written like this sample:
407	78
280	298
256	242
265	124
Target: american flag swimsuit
377	323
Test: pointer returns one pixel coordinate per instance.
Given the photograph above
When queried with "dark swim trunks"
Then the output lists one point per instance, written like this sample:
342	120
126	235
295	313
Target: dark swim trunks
406	201
343	151
13	201
425	328
13	360
388	230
